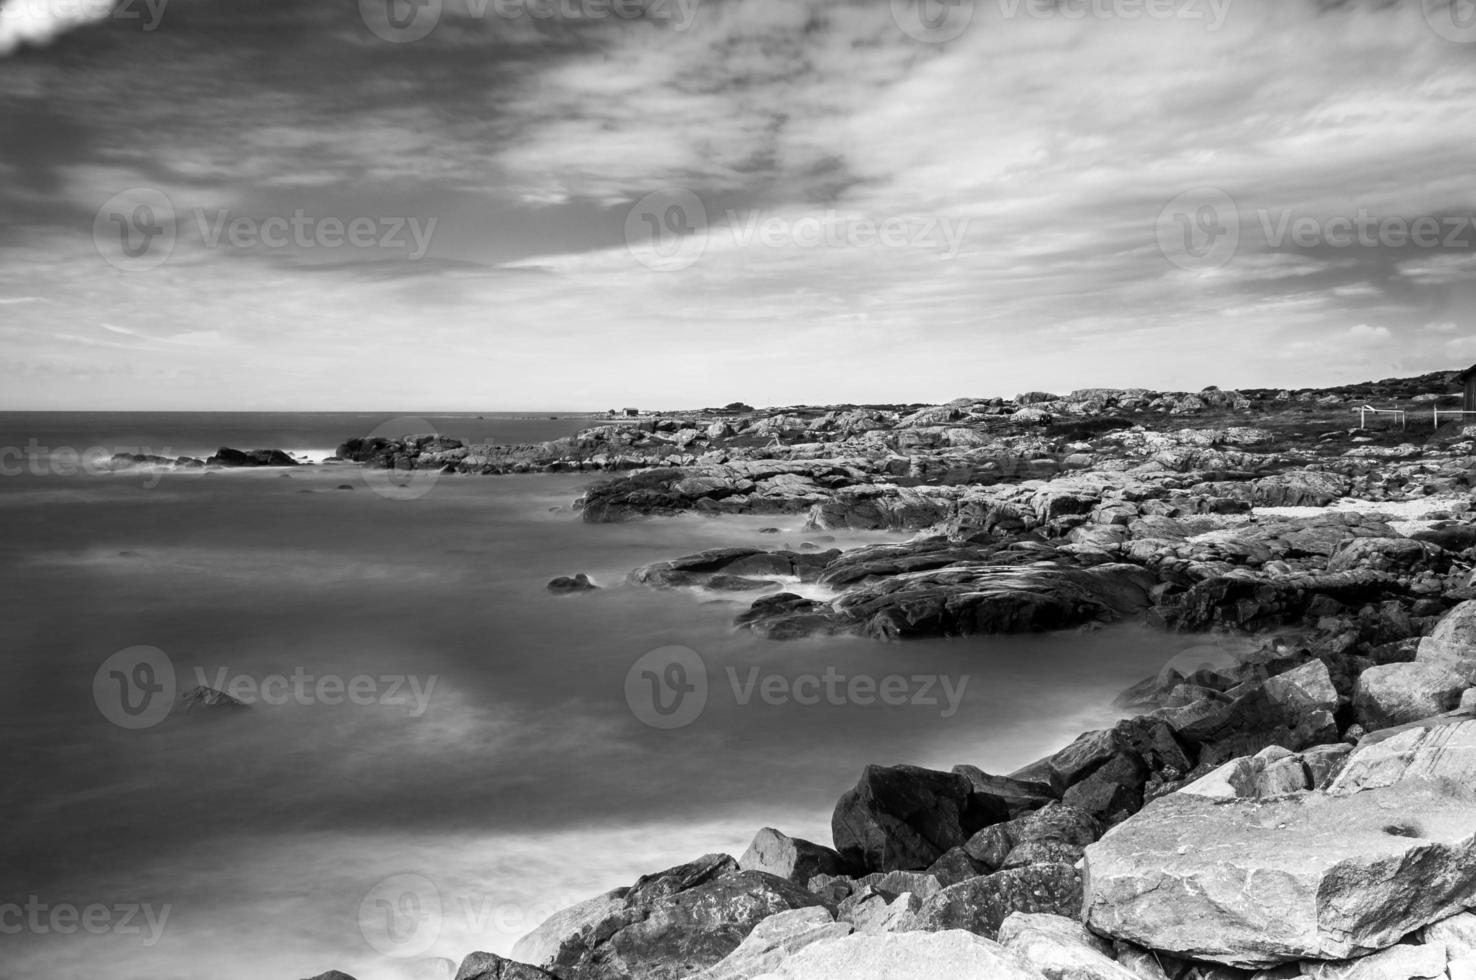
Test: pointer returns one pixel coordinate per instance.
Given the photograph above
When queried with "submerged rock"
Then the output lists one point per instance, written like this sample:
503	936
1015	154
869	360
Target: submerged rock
569	585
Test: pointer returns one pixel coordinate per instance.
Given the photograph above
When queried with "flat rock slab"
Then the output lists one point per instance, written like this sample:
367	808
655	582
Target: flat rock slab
1255	883
905	956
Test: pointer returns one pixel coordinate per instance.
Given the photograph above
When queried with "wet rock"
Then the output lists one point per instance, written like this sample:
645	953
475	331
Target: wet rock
570	585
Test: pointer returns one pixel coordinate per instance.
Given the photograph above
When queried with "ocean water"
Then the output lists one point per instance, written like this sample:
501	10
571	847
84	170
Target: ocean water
504	752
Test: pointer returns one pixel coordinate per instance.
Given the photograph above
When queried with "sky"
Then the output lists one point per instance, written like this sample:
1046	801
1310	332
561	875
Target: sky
521	204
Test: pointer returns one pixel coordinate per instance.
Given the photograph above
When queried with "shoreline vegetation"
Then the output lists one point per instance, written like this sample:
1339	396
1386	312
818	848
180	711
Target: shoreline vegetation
1306	809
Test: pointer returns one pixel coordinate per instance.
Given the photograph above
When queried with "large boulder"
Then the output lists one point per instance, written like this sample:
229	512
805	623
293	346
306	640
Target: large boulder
1255	883
906	956
490	966
675	923
906	817
542	944
790	858
1395	694
1438	751
774	940
980	905
1060	948
1061	824
1403	962
1453	642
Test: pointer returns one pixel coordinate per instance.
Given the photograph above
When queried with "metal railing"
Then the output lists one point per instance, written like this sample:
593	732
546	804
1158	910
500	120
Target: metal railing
1363	415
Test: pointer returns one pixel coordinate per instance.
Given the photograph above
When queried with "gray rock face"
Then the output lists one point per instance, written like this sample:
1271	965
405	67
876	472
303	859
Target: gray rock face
542	944
668	925
1453	643
905	817
906	956
774	940
980	905
1060	948
1256	883
1395	694
1437	751
790	858
489	966
1403	962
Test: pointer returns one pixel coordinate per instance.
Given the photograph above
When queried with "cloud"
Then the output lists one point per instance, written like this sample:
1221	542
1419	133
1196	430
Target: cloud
1053	146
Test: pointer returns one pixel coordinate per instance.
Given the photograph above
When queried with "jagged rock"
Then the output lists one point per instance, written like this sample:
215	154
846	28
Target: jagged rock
1395	963
489	966
225	456
981	904
1439	751
790	858
871	910
1453	642
955	866
774	940
1394	694
1256	883
332	975
905	817
1020	795
1060	948
906	956
1457	934
208	699
1055	823
1273	771
542	944
677	922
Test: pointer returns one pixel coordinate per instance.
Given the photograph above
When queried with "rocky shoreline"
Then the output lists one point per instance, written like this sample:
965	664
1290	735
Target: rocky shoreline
1305	810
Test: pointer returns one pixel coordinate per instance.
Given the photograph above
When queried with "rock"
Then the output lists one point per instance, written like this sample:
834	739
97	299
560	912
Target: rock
955	866
774	940
567	585
790	858
906	956
1144	963
332	975
678	922
1271	772
872	910
980	905
1453	642
1060	948
1054	823
1020	795
208	699
489	966
1394	694
1438	751
1457	933
1256	883
905	817
1395	963
234	458
542	944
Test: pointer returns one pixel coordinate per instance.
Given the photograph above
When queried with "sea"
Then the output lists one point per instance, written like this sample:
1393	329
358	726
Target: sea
435	752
